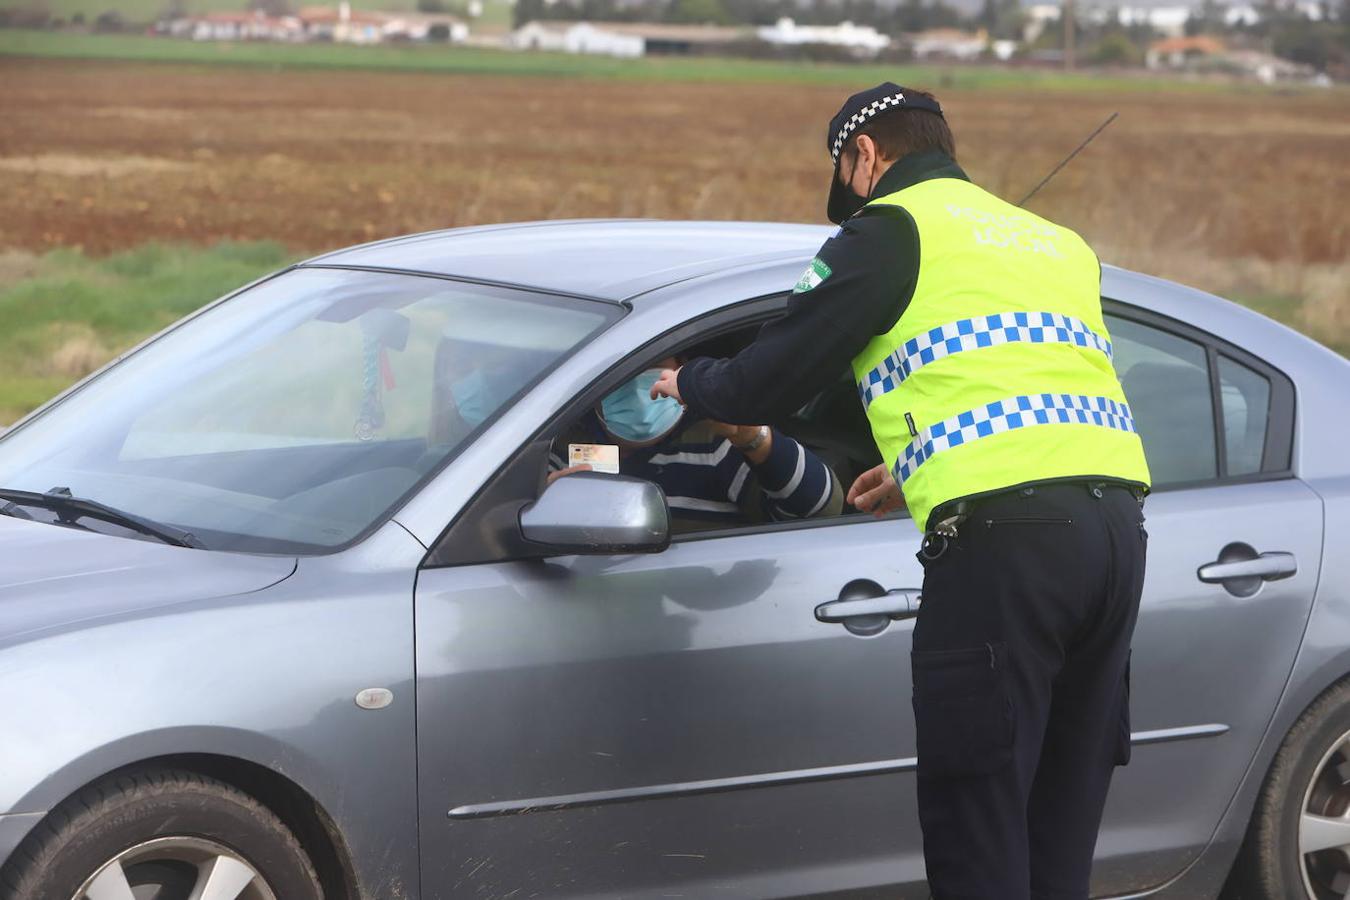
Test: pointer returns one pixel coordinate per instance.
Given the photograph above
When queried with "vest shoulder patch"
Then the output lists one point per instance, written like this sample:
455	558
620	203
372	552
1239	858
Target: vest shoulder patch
815	273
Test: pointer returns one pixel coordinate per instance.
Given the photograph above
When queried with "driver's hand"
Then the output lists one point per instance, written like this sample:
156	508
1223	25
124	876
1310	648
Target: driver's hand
579	467
876	492
737	434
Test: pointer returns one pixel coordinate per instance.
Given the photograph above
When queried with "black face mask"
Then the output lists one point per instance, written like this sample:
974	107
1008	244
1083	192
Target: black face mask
844	201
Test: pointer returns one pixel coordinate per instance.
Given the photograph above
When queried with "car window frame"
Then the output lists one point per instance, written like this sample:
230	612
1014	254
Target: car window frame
1277	459
487	530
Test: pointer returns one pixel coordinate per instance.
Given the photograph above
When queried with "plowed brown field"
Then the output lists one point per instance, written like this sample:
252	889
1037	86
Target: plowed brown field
1233	191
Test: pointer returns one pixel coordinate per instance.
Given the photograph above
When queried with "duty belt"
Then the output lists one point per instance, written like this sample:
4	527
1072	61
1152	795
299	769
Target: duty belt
947	517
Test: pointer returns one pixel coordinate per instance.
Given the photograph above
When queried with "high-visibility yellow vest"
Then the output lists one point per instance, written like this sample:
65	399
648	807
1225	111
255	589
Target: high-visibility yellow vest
999	372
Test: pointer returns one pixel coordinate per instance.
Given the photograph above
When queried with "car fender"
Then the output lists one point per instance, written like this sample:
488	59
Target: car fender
268	677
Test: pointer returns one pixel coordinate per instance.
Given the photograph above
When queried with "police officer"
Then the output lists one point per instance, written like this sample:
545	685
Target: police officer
974	331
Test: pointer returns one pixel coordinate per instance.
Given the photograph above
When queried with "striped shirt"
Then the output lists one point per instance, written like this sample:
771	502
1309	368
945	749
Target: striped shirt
708	481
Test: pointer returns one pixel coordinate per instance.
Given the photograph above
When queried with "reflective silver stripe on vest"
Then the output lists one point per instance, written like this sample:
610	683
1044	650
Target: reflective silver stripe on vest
971	334
1006	415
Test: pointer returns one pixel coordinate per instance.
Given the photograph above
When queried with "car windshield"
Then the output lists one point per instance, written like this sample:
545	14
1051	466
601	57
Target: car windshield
293	417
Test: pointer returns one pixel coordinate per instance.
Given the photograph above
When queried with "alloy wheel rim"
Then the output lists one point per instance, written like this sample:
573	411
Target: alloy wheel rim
176	868
1324	825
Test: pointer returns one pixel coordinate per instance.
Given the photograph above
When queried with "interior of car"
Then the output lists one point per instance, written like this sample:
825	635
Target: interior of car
832	424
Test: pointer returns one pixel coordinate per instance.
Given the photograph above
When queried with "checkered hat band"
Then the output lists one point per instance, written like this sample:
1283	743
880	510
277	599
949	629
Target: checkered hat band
973	334
856	121
1008	415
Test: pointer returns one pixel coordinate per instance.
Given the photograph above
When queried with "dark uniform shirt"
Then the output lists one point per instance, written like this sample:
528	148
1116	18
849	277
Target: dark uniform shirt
873	264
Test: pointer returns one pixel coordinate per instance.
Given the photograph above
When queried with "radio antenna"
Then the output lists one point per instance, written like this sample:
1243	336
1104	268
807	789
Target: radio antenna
1068	159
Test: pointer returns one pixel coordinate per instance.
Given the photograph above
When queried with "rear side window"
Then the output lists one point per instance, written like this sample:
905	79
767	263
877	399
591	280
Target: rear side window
1205	410
1166	381
1245	398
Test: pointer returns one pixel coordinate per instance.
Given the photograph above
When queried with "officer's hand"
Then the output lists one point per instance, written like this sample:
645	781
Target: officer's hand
668	385
876	492
579	467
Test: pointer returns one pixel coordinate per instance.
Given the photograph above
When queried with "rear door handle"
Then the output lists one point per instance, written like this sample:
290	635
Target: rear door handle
1241	570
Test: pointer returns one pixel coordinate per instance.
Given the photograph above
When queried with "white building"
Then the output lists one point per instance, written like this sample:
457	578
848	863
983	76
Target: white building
415	26
236	26
1039	17
1269	69
948	43
1309	9
1241	14
623	39
1169	21
343	24
575	37
863	39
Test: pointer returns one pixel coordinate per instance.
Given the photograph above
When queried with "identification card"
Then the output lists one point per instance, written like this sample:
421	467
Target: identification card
601	457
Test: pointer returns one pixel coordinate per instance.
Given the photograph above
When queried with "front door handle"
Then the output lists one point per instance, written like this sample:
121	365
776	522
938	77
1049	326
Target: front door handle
866	608
1241	570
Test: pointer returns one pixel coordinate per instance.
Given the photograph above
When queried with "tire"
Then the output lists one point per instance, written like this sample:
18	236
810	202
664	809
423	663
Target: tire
163	832
1310	774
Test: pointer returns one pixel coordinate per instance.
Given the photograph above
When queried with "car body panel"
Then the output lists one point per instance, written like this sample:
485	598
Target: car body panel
569	675
267	677
1203	657
63	576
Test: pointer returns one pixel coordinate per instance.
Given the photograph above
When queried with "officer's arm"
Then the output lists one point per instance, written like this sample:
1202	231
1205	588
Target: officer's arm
856	288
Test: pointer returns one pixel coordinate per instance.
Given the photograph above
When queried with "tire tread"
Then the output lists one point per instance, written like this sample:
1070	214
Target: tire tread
22	873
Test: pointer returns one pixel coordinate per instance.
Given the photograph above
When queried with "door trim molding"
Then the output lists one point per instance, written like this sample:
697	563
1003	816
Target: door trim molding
764	779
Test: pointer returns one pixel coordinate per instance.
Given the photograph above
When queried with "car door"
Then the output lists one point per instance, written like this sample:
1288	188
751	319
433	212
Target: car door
673	724
669	724
1211	653
679	723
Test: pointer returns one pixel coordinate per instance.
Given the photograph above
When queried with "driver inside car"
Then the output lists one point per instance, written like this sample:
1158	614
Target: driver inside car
713	474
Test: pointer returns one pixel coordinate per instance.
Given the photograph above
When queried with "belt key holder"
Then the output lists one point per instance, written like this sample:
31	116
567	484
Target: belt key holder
933	546
936	542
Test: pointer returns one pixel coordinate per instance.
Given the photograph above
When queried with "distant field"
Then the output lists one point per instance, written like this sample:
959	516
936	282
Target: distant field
444	59
62	314
146	11
1236	192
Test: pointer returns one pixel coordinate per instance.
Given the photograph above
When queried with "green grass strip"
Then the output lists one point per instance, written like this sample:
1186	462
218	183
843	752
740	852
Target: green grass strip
479	61
74	313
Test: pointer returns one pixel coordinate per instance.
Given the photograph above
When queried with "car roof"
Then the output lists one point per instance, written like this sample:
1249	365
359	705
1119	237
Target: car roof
609	259
620	259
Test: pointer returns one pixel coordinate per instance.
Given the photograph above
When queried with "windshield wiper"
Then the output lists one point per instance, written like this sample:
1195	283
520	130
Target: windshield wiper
70	509
10	509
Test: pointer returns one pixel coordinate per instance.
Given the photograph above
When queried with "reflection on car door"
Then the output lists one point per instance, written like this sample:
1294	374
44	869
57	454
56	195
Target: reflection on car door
669	725
1210	659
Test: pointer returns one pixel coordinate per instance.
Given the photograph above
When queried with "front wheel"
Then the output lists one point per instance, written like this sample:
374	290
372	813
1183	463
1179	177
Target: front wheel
160	835
1298	844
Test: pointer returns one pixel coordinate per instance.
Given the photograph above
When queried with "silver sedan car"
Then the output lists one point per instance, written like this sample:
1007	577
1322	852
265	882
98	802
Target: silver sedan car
289	608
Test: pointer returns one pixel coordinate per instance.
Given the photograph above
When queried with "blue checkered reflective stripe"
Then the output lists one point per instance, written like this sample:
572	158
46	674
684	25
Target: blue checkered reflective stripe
972	334
1007	415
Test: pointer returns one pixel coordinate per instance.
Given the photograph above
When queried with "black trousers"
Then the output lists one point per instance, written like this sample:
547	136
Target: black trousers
1021	688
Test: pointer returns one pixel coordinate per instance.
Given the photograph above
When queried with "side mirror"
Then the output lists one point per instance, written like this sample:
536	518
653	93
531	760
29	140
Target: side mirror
588	512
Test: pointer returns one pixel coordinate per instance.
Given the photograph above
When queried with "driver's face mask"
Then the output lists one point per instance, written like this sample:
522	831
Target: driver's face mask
473	399
630	414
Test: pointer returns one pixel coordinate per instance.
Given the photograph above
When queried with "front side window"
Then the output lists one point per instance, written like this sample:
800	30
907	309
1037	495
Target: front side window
293	417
